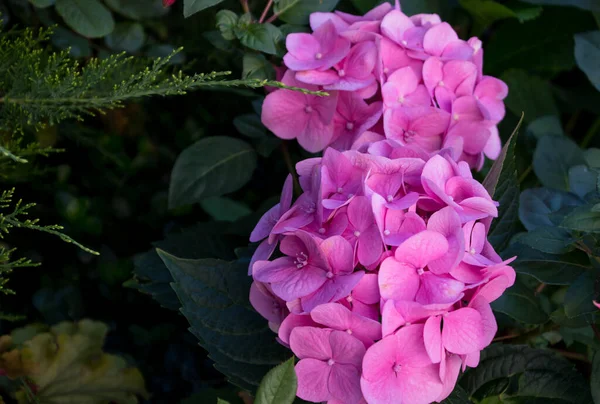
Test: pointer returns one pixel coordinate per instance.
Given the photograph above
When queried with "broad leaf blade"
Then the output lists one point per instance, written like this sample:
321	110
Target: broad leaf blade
89	18
279	385
191	7
521	304
587	55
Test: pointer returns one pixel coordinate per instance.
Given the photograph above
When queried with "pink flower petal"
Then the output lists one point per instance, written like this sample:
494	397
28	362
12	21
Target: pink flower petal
397	281
313	378
311	342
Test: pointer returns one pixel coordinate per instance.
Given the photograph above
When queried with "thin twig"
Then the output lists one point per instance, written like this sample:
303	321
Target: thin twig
283	10
265	11
245	6
571	355
540	288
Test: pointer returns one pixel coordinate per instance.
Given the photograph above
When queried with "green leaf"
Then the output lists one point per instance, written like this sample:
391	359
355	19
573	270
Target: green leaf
584	218
213	166
485	13
363	6
579	296
538	207
298	11
503	185
63	38
137	10
226	22
552	159
539	375
249	125
224	209
529	94
127	36
260	37
591	5
582	180
279	385
214	298
87	17
256	66
191	7
551	240
520	303
42	3
458	396
545	50
595	378
553	269
441	7
587	55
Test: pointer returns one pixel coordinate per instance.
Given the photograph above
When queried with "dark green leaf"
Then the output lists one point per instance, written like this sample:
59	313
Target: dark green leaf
551	240
595	379
137	10
537	205
529	94
520	303
226	22
191	7
224	209
87	17
540	375
545	125
204	240
587	55
260	37
545	50
553	269
592	157
441	7
579	296
591	5
279	385
503	185
553	157
584	218
42	3
256	66
63	38
213	166
298	11
249	125
127	36
485	13
363	6
458	396
214	298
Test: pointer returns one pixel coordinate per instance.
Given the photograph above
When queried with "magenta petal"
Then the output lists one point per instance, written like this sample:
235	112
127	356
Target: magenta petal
422	248
462	332
346	349
291	322
397	281
263	252
450	376
339	253
284	113
367	290
394	25
370	246
432	335
439	289
274	271
311	342
344	383
265	224
488	321
331	290
313	378
332	315
301	282
438	37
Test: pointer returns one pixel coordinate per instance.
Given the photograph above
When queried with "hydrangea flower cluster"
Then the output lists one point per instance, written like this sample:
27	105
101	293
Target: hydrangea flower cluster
407	79
384	277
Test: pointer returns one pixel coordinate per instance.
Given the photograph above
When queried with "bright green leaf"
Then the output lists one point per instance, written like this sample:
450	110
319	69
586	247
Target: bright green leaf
587	55
191	7
539	375
552	159
224	209
214	298
298	11
256	66
279	385
520	303
213	166
89	18
226	22
137	10
503	185
553	269
127	36
260	37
